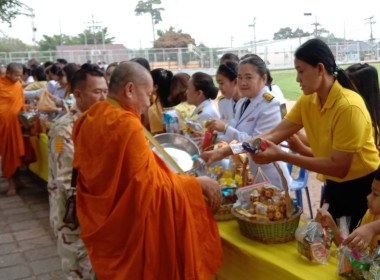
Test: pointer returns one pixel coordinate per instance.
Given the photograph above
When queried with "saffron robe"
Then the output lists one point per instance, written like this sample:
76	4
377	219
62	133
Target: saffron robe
139	219
11	141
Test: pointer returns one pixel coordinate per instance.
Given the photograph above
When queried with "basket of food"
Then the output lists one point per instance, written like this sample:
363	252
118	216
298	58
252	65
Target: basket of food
266	214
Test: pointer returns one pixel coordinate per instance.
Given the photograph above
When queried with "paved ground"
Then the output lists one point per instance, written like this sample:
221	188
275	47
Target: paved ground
27	244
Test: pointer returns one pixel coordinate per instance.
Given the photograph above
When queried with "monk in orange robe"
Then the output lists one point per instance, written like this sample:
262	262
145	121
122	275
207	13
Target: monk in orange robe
139	219
11	140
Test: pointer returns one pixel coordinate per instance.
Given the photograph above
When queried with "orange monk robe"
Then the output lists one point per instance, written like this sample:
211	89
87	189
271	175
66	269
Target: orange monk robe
139	219
11	142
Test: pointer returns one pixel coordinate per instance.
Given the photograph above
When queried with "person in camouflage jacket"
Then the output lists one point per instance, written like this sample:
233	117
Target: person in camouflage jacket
89	86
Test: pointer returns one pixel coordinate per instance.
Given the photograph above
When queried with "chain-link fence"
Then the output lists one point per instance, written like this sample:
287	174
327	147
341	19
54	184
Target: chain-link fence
277	54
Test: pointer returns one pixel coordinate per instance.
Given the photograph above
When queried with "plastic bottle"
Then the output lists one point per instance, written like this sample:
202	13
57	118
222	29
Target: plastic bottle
172	126
199	165
71	100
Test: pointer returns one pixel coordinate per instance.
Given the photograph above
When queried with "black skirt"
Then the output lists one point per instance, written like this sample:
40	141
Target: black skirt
348	198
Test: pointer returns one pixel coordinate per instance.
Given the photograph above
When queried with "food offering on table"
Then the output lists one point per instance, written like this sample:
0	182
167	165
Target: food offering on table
354	265
262	202
313	241
264	212
229	179
351	264
374	269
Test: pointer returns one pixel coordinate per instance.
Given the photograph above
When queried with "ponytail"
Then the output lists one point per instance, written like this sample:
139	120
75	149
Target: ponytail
343	78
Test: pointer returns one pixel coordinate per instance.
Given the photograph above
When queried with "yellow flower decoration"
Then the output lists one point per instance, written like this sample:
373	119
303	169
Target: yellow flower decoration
238	180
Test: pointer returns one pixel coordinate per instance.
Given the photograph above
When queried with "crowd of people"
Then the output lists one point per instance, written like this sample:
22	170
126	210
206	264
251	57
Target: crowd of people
139	219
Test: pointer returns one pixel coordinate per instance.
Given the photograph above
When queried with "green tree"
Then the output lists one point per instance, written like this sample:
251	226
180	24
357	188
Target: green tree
287	32
146	6
9	9
49	43
299	33
13	45
283	33
89	38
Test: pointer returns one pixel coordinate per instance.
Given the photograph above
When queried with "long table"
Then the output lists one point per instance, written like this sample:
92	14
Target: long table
41	167
245	259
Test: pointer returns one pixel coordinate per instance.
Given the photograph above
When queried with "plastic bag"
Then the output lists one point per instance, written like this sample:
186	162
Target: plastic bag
46	102
351	264
374	270
313	241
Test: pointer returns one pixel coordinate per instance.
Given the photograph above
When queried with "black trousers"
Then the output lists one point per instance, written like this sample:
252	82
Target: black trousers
349	198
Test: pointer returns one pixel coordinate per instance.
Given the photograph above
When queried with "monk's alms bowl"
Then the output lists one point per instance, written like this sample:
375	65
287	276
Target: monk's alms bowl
180	148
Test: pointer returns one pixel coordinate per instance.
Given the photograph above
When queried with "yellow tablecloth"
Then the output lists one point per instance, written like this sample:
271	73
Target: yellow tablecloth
245	259
41	167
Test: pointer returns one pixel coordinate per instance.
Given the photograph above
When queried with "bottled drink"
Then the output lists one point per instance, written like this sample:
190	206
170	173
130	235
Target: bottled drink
199	166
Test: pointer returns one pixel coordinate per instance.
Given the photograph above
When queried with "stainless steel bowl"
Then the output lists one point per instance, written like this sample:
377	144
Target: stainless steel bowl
180	148
26	118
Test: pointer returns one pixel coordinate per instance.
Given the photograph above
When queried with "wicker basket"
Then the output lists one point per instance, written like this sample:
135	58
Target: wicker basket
224	213
271	231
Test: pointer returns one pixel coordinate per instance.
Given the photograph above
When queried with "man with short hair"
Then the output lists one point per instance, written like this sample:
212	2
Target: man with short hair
11	141
139	219
89	86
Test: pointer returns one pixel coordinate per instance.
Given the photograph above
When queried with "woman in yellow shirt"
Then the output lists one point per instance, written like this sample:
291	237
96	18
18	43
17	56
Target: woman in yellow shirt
161	89
338	127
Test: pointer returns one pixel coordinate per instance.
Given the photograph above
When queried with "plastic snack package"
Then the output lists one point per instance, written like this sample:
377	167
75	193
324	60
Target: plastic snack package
313	241
351	264
193	127
374	269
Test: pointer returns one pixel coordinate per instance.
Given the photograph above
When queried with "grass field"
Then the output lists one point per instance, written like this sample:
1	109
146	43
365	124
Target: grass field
286	80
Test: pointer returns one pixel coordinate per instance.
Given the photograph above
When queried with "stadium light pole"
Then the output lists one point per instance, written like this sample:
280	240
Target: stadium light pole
254	32
307	14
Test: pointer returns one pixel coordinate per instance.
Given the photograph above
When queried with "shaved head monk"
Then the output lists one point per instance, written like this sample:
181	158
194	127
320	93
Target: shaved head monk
139	219
11	140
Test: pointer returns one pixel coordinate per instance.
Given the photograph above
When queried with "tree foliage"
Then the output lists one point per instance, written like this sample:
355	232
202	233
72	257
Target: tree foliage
9	9
287	32
146	7
13	45
173	39
86	37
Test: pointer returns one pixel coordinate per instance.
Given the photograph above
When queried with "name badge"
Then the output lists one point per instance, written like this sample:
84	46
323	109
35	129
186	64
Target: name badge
251	119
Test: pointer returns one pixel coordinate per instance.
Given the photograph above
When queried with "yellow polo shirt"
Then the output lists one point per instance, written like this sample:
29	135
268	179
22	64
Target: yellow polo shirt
343	124
155	117
369	218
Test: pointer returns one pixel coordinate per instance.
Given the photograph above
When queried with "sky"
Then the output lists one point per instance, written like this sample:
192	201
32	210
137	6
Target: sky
216	23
